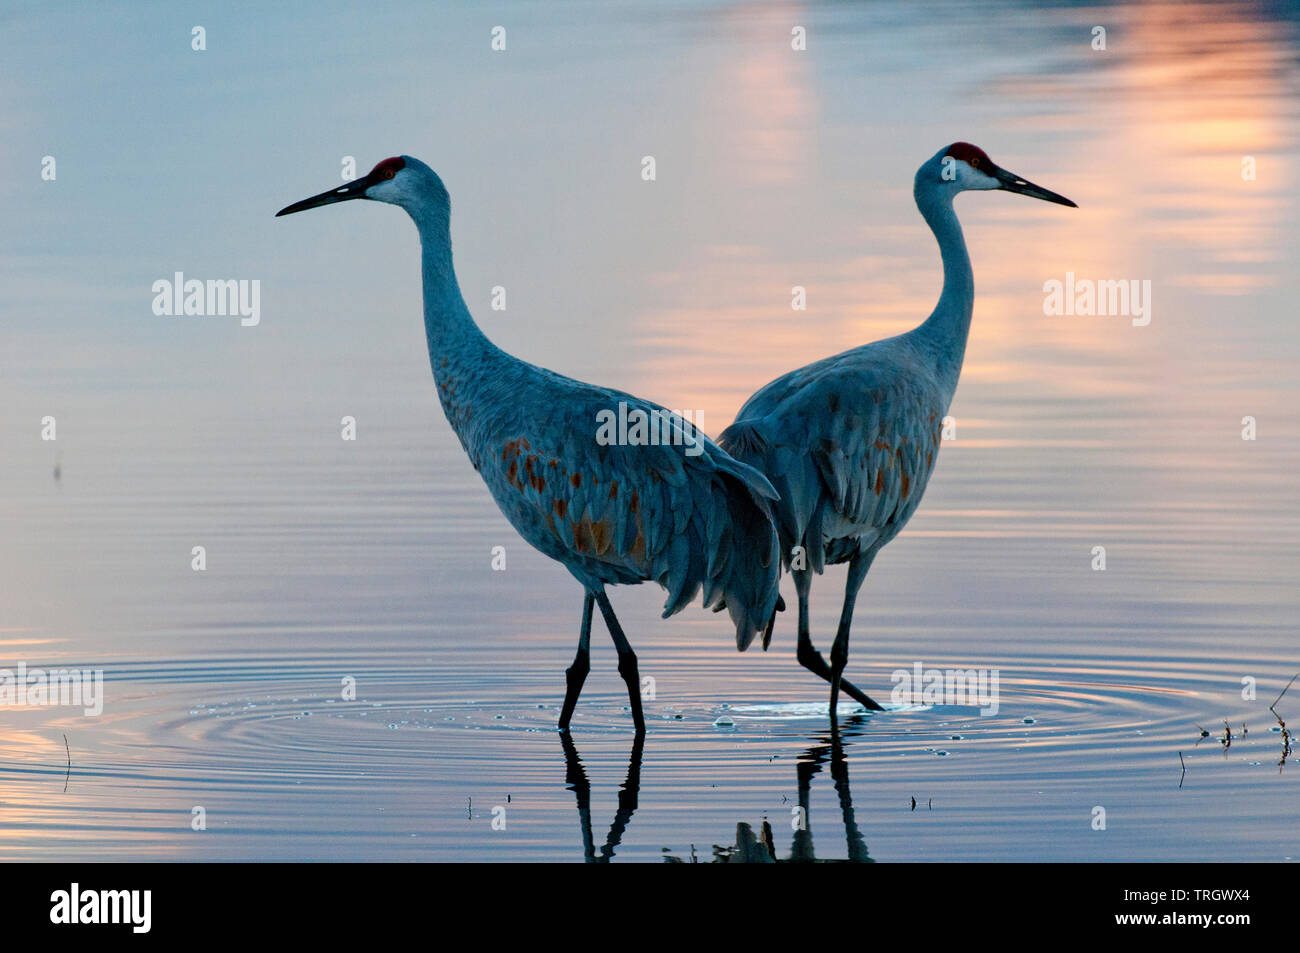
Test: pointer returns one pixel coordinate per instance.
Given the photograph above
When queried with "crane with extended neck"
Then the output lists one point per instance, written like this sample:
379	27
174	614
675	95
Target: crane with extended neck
849	442
680	511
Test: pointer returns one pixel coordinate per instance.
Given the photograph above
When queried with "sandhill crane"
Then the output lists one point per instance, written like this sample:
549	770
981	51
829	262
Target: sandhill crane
679	511
850	442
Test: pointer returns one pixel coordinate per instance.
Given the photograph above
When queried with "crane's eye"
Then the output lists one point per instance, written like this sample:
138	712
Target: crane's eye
975	162
389	173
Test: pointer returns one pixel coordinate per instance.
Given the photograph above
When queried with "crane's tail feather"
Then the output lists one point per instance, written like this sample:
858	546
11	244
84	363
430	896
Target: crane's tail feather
745	557
748	582
747	445
731	551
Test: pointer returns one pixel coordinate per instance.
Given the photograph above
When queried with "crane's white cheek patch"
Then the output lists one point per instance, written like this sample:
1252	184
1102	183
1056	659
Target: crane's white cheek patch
220	297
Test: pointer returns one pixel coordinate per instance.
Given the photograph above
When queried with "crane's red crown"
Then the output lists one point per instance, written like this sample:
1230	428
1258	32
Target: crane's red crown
973	156
388	168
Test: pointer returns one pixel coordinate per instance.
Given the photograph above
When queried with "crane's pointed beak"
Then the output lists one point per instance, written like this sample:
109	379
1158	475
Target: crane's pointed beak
355	189
1014	183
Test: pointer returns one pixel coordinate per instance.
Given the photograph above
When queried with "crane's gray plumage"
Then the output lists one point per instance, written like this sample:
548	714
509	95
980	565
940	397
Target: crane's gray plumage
614	513
850	441
610	513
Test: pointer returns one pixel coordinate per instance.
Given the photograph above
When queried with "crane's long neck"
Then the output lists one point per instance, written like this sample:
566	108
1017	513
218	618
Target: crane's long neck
456	345
466	365
944	333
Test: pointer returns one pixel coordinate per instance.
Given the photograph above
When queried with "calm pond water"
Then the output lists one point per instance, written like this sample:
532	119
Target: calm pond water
372	559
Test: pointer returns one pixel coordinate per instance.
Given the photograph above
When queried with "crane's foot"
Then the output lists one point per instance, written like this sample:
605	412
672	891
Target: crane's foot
812	660
574	676
628	669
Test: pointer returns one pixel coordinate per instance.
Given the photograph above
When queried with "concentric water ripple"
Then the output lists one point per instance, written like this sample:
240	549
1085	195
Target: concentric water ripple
262	746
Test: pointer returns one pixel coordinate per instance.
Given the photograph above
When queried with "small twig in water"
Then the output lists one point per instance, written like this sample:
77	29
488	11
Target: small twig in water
1184	764
68	776
1279	698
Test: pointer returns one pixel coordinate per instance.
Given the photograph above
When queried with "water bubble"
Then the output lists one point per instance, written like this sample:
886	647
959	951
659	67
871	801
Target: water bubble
723	721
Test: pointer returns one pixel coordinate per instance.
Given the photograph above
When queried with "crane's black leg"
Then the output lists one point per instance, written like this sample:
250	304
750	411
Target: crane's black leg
808	656
626	659
576	673
858	567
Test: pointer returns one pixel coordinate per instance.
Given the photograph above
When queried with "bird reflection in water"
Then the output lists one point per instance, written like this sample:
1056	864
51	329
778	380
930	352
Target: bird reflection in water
750	847
576	778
